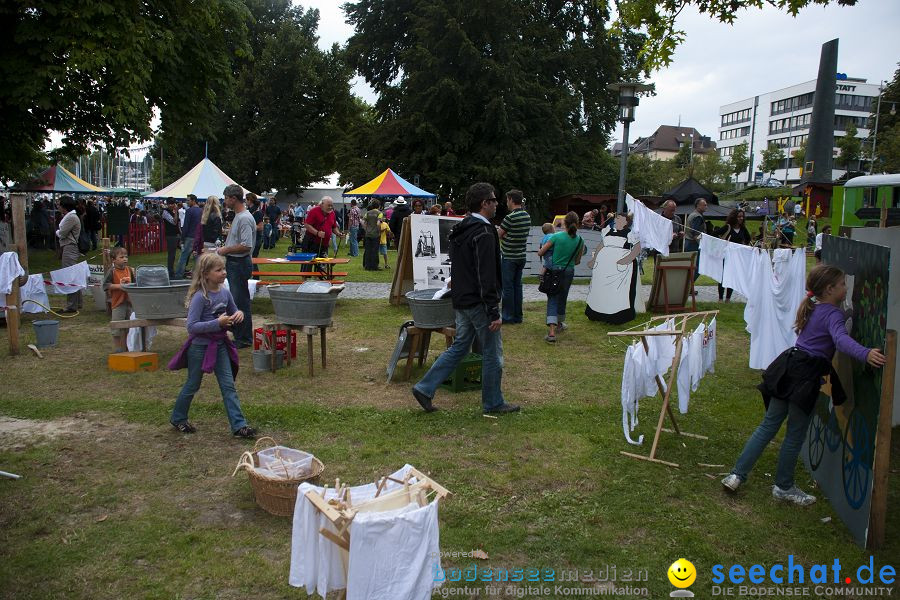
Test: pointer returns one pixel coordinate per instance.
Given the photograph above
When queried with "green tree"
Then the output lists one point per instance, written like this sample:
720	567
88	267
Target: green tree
684	157
740	159
290	107
96	71
887	159
658	18
799	155
711	171
772	159
850	148
511	92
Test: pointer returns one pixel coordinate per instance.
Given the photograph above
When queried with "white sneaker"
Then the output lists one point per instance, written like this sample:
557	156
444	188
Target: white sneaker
562	327
795	495
732	482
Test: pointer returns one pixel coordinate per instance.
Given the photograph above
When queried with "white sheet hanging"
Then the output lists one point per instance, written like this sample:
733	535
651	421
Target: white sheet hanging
777	292
709	347
394	554
630	395
739	268
652	229
34	289
712	255
70	279
316	562
10	269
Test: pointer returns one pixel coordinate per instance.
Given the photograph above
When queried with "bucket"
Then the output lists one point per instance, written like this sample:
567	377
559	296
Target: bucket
429	313
298	308
46	332
262	360
99	297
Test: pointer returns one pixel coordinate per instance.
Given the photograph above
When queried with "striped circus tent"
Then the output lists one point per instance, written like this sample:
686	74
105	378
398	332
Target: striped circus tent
204	180
59	180
389	184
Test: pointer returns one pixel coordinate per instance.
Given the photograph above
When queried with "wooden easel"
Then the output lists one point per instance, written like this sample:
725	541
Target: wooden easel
403	270
679	332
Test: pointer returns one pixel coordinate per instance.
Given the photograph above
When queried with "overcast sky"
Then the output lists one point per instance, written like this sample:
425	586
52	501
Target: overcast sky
765	50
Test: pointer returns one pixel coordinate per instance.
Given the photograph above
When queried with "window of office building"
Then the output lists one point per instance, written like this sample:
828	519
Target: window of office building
736	117
793	103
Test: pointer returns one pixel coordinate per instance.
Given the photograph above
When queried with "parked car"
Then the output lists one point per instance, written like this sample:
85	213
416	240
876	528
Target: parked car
771	182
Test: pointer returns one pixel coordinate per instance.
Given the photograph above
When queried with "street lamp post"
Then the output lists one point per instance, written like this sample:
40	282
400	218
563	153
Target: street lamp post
628	100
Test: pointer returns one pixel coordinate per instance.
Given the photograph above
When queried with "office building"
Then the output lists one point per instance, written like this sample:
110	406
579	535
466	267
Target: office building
783	117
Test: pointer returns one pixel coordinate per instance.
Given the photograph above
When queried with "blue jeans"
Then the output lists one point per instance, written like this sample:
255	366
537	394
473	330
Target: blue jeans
354	242
238	270
226	386
511	273
187	248
694	246
556	304
798	422
470	322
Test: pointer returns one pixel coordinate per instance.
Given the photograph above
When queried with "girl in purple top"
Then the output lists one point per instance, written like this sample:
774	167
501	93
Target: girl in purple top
211	312
791	383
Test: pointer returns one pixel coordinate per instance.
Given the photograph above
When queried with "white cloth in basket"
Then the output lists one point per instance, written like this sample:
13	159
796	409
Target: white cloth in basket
393	554
316	562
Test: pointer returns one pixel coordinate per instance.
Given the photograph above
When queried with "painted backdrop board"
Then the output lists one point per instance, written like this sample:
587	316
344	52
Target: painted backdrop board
889	237
839	449
431	261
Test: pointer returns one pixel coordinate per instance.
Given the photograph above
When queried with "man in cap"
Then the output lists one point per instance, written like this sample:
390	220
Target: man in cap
238	264
401	211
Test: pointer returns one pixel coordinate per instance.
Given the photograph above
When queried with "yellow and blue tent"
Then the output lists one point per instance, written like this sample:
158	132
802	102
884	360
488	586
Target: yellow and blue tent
389	184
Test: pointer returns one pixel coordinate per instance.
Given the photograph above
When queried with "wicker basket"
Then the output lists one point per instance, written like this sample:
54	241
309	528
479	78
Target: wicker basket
275	496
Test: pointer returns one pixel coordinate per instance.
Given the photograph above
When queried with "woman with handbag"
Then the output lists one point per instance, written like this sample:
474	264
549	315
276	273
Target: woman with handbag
568	248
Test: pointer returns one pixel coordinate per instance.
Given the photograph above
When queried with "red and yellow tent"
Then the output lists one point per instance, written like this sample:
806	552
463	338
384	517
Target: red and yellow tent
58	179
389	184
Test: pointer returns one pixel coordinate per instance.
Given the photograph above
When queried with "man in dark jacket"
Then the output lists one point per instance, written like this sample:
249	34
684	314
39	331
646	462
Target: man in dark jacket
475	280
188	231
401	211
92	222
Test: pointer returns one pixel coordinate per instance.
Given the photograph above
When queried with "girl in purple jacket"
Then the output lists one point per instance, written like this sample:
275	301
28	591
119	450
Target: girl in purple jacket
211	312
791	383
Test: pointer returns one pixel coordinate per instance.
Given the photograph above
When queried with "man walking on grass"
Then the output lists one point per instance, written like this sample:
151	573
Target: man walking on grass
475	290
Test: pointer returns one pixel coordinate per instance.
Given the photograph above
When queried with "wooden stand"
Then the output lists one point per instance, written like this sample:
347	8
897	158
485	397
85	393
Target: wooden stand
679	332
881	466
309	331
144	324
420	341
403	270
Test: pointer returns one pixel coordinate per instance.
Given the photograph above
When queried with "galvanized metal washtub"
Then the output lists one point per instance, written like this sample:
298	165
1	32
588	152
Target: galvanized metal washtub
302	308
158	301
429	313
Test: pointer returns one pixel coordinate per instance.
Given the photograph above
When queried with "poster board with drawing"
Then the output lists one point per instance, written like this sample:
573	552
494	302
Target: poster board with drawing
839	449
429	237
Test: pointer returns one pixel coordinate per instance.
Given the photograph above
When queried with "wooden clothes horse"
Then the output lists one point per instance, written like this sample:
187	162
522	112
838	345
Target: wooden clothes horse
665	390
341	509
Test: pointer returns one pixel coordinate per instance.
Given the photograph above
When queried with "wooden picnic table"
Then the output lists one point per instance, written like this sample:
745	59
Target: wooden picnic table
323	268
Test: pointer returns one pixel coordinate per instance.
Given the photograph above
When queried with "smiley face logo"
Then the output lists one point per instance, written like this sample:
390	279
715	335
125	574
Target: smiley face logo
682	573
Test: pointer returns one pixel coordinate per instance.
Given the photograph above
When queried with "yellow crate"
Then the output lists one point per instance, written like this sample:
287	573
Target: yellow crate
131	362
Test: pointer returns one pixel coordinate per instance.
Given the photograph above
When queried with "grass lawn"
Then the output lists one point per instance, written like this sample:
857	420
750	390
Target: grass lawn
115	503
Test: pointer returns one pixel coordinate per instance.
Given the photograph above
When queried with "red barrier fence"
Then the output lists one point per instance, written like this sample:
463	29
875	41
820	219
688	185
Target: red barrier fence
142	239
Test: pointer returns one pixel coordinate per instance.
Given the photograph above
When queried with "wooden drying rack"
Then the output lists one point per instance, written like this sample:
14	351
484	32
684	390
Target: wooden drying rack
679	332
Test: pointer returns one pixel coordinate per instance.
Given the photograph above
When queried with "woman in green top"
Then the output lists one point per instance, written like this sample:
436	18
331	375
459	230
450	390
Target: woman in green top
568	248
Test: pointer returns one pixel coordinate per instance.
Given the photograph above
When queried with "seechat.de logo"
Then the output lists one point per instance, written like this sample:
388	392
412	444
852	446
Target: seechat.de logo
682	574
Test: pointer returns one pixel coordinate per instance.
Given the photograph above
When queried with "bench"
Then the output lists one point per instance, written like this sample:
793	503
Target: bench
297	274
298	281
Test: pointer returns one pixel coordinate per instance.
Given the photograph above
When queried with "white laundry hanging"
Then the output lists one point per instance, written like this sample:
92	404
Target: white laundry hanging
394	554
316	562
10	269
630	395
777	292
70	279
34	289
251	287
712	255
652	229
709	347
739	268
